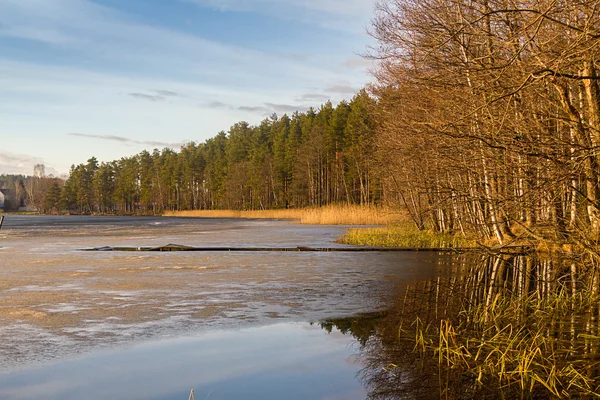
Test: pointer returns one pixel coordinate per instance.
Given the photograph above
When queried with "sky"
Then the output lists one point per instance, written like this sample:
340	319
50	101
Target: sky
110	78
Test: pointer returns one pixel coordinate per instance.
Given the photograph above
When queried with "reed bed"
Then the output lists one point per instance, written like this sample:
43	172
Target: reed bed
405	235
541	343
509	353
328	215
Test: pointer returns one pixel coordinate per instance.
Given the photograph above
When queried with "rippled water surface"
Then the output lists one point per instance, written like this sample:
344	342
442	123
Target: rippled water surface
120	325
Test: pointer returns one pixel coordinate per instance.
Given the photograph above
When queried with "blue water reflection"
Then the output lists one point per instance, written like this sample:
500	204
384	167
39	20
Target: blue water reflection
288	360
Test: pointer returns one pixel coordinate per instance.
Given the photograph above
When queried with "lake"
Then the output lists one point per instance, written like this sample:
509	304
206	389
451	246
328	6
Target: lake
230	325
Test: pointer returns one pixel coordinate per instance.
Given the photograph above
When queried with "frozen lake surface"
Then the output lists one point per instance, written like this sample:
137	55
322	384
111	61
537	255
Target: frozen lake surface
100	325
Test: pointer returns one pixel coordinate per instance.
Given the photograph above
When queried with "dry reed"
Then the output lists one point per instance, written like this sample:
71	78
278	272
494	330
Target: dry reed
405	235
511	343
329	215
511	352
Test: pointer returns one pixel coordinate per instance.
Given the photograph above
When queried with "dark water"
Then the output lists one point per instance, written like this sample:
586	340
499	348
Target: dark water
153	326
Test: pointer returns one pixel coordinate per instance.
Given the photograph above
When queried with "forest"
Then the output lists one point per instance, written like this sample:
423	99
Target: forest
315	158
484	119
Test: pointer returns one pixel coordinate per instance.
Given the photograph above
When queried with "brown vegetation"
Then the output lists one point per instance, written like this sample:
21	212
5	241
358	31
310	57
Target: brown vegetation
329	215
488	115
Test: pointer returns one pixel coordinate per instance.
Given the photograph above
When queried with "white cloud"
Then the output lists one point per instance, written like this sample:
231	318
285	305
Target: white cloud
13	163
342	88
149	97
333	14
122	139
348	8
38	34
314	97
98	33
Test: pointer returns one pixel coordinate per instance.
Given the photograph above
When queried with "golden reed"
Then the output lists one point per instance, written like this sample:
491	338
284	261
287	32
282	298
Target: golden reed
328	215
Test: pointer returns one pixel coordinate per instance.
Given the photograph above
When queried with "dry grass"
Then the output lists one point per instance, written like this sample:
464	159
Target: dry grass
405	235
329	215
517	343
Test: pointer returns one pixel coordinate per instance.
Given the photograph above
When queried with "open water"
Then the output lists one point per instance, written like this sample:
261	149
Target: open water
252	325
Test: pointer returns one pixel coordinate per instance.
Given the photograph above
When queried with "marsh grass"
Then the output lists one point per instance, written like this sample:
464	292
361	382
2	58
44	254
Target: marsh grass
542	343
506	353
405	235
329	215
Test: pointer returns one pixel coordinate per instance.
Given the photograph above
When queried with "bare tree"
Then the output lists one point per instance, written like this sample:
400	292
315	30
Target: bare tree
490	114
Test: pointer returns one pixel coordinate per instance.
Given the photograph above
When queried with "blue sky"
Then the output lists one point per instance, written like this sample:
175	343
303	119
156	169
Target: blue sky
109	78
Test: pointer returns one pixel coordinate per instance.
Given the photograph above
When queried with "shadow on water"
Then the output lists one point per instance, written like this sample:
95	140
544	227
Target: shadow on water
491	327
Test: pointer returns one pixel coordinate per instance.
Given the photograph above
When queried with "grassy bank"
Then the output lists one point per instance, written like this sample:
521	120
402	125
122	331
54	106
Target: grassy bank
329	215
405	235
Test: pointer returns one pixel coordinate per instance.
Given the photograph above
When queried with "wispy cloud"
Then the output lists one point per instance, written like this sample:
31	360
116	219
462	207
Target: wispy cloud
122	139
254	109
264	109
81	22
218	104
150	97
314	97
333	14
49	36
342	89
286	108
270	108
167	93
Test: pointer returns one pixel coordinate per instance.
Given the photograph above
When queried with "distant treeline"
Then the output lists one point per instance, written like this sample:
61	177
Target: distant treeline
28	191
314	158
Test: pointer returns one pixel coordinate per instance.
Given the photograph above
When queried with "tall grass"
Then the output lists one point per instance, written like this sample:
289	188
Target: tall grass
506	351
405	235
525	327
329	215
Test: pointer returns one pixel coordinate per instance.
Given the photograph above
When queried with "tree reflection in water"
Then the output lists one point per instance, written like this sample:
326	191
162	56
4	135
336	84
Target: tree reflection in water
509	326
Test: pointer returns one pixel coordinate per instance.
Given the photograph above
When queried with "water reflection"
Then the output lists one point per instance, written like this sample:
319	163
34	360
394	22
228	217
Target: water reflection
291	361
492	327
391	369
